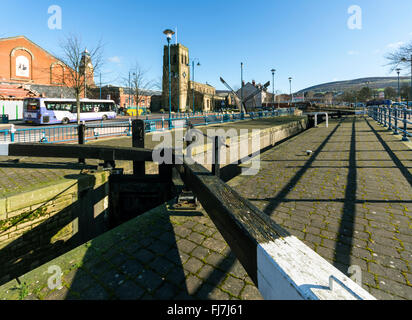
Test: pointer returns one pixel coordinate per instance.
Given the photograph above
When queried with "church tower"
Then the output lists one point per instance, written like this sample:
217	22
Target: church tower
180	74
86	62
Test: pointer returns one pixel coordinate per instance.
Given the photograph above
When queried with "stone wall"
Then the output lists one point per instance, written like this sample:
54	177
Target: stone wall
39	225
267	138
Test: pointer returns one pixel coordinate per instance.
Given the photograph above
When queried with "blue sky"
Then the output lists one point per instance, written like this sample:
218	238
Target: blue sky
308	40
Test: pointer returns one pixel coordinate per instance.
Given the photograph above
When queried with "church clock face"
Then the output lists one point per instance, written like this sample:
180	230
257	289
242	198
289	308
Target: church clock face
22	67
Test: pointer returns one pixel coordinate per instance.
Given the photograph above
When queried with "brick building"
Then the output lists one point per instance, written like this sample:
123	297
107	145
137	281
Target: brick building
124	96
24	62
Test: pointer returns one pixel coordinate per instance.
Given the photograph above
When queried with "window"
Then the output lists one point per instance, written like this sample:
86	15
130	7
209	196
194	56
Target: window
105	107
31	104
96	107
50	105
86	107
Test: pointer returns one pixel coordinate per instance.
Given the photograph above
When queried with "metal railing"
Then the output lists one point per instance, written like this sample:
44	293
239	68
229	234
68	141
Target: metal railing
69	133
395	119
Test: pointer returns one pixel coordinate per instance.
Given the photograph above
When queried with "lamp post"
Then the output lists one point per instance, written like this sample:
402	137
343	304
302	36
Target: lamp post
193	81
398	71
290	89
86	64
241	88
130	89
367	86
169	33
273	85
410	95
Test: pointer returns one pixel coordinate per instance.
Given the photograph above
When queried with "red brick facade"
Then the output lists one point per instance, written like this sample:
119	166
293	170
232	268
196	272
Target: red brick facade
22	61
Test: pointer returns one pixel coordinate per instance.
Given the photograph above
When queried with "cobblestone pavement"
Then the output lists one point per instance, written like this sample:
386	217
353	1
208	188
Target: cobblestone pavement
350	200
162	254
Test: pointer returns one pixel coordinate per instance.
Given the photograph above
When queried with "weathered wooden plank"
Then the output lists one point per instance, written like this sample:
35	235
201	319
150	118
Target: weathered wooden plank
75	151
281	266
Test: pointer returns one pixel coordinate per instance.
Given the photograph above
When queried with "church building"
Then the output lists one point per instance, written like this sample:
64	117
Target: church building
182	88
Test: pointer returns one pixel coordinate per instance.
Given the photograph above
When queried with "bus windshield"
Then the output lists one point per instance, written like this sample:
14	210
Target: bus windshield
31	105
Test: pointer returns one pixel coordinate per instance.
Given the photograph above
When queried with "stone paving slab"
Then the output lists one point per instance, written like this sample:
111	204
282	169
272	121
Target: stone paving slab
350	200
162	255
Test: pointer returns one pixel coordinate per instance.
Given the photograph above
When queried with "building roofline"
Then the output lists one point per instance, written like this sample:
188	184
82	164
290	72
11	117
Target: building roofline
35	44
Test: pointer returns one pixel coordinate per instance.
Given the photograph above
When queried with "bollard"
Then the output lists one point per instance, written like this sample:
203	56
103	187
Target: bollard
81	133
216	157
129	131
381	115
12	132
396	132
138	134
405	126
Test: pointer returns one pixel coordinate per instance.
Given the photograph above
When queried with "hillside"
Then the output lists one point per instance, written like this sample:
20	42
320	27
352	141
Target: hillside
374	83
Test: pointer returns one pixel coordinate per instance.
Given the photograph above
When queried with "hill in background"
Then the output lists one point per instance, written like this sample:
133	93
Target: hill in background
357	84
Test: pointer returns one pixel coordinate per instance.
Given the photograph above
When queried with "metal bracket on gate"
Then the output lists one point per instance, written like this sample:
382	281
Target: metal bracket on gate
186	201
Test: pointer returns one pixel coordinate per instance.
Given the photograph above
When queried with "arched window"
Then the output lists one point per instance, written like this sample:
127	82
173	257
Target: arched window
22	67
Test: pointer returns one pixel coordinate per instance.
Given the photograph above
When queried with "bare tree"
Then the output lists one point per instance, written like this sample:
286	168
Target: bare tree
400	58
140	86
79	69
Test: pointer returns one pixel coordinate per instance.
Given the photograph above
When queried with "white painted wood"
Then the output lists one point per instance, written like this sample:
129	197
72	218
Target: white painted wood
327	118
4	149
290	270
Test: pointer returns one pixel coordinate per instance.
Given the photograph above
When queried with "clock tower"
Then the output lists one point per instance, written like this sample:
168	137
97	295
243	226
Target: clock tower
86	68
180	74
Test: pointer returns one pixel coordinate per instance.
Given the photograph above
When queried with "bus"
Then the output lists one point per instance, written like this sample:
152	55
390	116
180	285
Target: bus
64	111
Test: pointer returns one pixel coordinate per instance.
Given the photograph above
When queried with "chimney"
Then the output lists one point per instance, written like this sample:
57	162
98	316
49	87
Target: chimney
254	83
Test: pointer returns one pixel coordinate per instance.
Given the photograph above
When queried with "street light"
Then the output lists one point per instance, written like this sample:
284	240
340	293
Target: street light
169	33
406	60
193	81
130	89
85	55
398	71
273	85
241	89
290	88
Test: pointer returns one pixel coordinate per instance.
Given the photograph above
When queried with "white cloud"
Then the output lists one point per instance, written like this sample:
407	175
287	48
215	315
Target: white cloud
114	59
395	45
353	52
335	79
